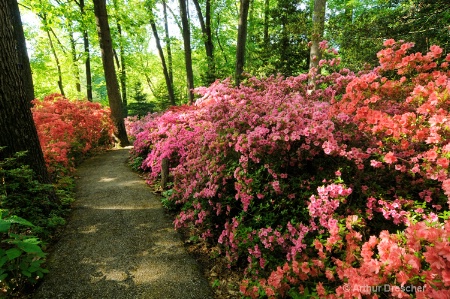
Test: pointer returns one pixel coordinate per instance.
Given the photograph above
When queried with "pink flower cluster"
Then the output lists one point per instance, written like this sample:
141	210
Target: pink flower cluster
68	129
308	186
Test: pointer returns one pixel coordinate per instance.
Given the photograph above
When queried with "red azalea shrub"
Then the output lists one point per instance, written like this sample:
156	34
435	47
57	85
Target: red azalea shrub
327	192
69	129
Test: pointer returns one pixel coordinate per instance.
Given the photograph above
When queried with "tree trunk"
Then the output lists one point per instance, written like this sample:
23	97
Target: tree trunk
112	85
123	73
163	62
76	71
121	66
58	66
164	173
168	45
207	39
187	50
241	40
16	120
24	61
316	38
87	55
266	21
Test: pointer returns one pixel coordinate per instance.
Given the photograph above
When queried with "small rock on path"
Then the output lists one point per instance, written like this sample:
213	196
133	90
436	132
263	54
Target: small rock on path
118	242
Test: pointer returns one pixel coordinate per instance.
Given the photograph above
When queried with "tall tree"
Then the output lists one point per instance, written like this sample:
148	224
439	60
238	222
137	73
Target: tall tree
169	83
187	49
24	61
205	25
16	120
112	85
317	36
76	70
168	43
87	54
241	40
48	31
122	65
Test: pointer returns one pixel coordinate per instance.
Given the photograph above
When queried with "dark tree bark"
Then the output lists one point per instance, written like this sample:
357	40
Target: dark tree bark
241	40
163	62
205	25
317	36
24	61
18	132
112	85
187	50
87	55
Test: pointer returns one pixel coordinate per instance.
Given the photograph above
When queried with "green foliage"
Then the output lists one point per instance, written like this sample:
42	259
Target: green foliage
21	255
167	203
24	196
135	163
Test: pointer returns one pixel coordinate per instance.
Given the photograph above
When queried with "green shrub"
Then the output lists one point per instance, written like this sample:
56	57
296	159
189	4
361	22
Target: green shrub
21	255
22	195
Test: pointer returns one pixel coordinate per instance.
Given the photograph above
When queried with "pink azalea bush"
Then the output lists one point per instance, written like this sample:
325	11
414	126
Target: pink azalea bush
330	192
69	129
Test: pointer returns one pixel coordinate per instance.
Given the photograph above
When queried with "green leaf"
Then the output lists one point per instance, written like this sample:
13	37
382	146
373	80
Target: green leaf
18	220
3	260
4	226
29	245
13	253
3	276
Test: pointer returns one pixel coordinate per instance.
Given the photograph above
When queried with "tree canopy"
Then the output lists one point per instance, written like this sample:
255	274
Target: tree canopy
63	38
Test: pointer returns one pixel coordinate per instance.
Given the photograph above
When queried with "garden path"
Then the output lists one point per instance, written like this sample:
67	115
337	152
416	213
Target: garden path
118	242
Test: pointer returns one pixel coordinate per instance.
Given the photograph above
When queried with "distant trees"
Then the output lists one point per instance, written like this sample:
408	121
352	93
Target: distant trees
205	40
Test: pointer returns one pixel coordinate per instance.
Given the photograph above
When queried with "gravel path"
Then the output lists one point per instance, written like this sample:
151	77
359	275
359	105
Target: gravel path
118	242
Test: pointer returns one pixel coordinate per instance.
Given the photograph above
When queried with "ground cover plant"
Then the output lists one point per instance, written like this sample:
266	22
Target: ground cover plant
338	192
29	217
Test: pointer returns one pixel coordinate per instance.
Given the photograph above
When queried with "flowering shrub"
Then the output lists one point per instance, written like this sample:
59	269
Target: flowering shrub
324	192
68	129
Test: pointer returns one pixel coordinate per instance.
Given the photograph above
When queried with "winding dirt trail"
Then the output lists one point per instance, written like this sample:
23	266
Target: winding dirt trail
118	242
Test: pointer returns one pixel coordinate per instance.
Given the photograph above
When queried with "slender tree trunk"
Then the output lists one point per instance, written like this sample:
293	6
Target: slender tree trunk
112	85
163	62
316	38
218	41
55	55
16	120
187	50
205	25
123	72
58	65
87	55
150	84
24	61
87	66
168	44
241	40
266	21
76	71
122	66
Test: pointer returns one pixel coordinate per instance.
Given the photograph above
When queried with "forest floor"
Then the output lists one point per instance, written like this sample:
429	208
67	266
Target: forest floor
119	242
